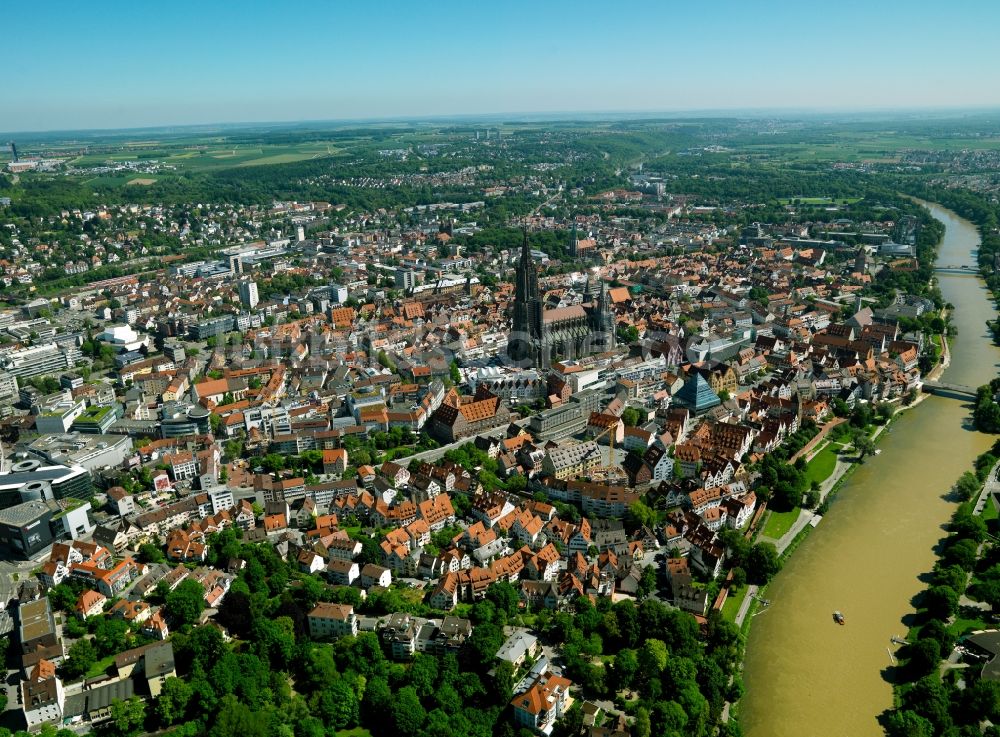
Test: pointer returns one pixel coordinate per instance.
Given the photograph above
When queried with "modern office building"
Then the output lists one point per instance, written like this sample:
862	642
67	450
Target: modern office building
96	420
213	327
567	419
91	452
8	387
58	415
180	418
31	479
248	294
38	360
24	528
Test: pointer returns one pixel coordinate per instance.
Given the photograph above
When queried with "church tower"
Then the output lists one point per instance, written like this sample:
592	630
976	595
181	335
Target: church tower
588	292
603	319
526	330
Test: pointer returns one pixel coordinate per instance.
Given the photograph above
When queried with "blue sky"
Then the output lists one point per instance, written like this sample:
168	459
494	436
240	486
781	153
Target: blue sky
71	65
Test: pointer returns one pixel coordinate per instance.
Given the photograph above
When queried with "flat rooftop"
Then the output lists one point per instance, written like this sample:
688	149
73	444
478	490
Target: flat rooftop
36	620
71	448
23	514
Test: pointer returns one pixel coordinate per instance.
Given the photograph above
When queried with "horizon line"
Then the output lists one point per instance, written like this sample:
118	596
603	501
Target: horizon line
789	112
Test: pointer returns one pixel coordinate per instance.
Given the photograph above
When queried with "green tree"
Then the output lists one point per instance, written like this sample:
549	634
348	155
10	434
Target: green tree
504	680
647	583
337	704
235	719
627	334
639	514
127	716
652	658
408	714
149	553
504	597
62	597
423	674
941	602
980	701
642	727
173	700
485	642
762	563
625	667
864	445
186	602
923	656
111	636
631	416
961	553
82	656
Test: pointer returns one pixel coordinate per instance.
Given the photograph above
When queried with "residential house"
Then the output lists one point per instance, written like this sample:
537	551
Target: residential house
184	546
374	575
310	562
42	695
545	701
342	572
445	593
332	621
335	461
518	648
90	604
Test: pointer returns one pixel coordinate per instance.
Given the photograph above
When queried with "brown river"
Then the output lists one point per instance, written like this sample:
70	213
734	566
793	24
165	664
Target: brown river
805	676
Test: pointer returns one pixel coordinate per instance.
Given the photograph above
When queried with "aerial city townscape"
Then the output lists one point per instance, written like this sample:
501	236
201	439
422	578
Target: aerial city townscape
455	412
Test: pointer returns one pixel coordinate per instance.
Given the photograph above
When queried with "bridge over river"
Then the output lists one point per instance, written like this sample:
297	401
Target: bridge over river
957	270
945	388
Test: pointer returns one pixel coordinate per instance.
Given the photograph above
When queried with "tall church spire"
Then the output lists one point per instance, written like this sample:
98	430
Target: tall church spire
588	292
528	317
603	318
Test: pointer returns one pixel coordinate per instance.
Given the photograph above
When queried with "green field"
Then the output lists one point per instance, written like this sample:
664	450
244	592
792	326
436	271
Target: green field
822	464
885	146
192	157
733	602
778	523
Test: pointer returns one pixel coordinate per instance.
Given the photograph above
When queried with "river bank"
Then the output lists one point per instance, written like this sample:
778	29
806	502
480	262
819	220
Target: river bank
804	675
843	468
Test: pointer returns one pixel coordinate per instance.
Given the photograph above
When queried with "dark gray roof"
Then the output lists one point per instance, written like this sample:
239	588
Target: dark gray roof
159	659
85	702
988	640
43	473
23	514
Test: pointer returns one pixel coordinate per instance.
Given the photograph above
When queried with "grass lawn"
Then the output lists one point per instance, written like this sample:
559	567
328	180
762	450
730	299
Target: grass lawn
962	625
99	668
411	596
356	732
733	603
822	465
989	511
778	523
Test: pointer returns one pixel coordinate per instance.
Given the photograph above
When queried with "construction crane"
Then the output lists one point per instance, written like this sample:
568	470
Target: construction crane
610	469
611	440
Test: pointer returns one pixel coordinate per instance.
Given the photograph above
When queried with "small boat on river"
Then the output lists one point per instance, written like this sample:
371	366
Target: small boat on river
838	618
